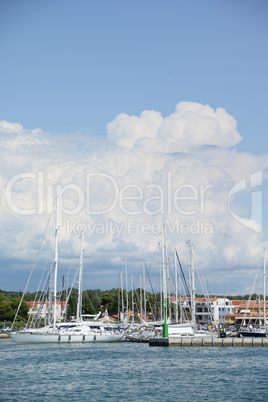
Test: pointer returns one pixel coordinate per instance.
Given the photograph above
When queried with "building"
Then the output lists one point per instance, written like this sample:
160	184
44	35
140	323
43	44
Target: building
203	310
208	311
247	312
41	310
220	308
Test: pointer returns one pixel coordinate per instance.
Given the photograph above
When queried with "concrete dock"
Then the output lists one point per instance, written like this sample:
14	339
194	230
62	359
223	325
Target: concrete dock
208	342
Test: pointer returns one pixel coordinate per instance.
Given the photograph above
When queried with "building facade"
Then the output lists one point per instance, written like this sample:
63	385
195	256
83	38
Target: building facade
41	310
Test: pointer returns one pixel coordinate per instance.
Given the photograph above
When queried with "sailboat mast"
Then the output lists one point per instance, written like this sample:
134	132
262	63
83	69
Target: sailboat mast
264	288
140	297
144	291
193	285
190	273
180	286
50	293
164	271
161	283
118	298
122	290
132	299
169	296
126	290
79	301
56	263
176	289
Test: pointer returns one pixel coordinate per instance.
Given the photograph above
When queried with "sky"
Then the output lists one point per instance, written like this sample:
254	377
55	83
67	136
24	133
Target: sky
137	114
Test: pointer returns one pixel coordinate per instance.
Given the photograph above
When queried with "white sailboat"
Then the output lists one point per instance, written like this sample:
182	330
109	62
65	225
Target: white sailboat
189	328
259	331
69	332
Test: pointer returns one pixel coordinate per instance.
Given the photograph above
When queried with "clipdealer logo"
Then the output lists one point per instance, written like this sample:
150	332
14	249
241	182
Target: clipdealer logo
185	200
255	220
130	199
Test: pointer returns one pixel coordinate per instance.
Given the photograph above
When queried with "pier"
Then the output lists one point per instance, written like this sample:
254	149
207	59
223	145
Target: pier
208	342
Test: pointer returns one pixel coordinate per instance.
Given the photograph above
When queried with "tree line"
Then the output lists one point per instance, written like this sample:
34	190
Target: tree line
93	302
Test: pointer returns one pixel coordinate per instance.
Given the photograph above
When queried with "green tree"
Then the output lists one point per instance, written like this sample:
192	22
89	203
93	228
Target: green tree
6	311
24	308
107	301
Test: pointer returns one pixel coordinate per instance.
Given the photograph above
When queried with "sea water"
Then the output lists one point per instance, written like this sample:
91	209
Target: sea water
131	372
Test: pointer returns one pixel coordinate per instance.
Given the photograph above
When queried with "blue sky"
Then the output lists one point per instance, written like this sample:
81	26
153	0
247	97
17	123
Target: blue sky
70	67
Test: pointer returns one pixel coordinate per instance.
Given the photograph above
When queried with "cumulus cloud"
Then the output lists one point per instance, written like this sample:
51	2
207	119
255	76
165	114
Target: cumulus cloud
178	170
191	125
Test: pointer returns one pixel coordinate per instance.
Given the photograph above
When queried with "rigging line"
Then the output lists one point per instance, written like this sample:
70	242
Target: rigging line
69	294
185	286
41	303
31	272
204	289
155	301
151	309
138	299
149	279
183	276
250	296
171	260
97	296
68	273
39	285
41	294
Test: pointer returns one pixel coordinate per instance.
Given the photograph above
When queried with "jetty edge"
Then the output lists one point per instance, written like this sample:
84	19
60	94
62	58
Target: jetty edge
208	342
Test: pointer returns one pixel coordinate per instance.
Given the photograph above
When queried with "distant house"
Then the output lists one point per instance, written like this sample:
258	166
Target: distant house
204	310
246	312
42	309
208	310
221	307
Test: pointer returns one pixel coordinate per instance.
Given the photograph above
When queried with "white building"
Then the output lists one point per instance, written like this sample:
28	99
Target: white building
209	311
221	307
42	309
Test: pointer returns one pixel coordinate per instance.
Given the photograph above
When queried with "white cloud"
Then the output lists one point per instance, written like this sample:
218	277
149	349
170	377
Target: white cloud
125	130
6	127
138	178
14	138
191	125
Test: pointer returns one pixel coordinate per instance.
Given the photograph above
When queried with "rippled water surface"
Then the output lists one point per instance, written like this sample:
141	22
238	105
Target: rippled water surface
131	372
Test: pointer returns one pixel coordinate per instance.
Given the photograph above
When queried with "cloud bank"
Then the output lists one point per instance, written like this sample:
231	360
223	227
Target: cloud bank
192	125
178	170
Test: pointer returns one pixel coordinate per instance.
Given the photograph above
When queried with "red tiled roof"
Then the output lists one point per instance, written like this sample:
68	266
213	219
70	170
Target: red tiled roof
236	302
250	304
37	303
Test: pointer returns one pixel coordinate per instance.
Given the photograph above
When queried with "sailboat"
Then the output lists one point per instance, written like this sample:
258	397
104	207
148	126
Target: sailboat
77	331
259	331
188	328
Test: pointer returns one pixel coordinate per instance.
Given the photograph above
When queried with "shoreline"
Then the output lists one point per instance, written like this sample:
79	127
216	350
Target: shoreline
5	336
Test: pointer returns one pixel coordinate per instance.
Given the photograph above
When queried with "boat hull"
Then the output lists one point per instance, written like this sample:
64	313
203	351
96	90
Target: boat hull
248	334
65	338
180	330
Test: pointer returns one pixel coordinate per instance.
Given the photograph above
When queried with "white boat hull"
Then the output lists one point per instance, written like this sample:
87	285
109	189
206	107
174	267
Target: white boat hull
65	338
180	330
